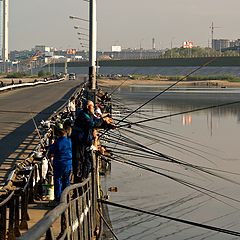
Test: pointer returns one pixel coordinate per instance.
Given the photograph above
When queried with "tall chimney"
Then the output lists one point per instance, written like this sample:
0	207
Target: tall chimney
5	32
153	44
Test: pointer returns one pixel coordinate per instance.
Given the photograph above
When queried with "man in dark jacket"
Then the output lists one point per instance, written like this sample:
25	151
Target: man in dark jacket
82	139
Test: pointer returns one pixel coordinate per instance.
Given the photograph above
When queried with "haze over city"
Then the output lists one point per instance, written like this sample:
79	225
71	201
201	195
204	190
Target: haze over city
130	24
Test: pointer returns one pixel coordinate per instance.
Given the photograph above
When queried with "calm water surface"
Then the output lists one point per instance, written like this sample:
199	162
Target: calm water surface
208	138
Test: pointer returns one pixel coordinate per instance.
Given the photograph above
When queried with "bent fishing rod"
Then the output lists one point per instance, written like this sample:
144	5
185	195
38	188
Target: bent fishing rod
160	93
179	113
166	89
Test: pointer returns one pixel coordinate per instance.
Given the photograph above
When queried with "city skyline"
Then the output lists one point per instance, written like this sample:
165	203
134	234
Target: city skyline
127	23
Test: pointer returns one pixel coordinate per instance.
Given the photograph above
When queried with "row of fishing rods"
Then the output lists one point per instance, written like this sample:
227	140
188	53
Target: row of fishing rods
136	149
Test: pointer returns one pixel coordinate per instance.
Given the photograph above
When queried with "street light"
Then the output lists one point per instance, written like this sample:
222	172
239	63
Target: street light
78	18
83	39
77	27
79	33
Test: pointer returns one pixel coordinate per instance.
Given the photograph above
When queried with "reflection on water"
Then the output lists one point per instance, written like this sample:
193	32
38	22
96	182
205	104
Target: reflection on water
206	138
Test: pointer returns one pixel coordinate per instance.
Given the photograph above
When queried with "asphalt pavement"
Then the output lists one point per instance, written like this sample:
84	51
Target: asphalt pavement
18	109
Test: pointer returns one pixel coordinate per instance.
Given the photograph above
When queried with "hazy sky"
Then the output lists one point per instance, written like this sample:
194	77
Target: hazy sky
128	23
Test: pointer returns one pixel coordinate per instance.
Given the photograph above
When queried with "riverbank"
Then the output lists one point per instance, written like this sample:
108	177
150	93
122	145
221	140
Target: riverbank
159	82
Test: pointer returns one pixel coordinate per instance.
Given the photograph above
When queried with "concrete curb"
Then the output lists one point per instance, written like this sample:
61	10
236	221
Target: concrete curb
11	87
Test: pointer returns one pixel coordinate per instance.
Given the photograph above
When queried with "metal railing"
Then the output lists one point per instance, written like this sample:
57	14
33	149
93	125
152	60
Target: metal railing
19	190
14	208
74	218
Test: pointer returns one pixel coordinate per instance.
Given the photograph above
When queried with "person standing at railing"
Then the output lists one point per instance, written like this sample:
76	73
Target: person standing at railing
61	151
82	139
72	107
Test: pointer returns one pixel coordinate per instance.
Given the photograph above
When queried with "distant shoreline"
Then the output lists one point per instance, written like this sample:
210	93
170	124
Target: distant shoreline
152	82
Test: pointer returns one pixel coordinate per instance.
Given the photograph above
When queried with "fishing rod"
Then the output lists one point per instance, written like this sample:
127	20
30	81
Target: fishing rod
106	223
203	167
148	165
146	218
185	164
160	93
200	225
180	113
114	90
167	158
201	234
172	85
193	186
174	144
177	136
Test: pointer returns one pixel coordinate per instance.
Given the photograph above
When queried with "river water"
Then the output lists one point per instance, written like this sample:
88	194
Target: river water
207	138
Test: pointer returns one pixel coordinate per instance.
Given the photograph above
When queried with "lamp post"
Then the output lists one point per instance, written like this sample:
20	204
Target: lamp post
92	45
78	18
79	33
77	27
5	35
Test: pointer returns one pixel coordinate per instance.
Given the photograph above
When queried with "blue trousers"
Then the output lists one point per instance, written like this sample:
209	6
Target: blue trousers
61	178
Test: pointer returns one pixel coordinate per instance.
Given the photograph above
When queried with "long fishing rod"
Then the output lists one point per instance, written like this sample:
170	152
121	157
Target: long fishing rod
167	158
201	234
179	113
184	182
174	144
166	89
117	87
174	135
108	226
151	153
149	165
200	225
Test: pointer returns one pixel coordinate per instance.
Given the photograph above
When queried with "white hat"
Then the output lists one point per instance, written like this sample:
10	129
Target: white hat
98	111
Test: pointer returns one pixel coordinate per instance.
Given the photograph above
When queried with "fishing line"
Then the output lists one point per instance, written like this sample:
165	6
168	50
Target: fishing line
108	226
200	225
148	165
172	85
180	113
167	158
196	167
36	127
171	143
184	182
177	136
118	86
151	153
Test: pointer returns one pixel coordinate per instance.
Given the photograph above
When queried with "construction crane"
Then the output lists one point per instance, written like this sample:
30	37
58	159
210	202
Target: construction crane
212	27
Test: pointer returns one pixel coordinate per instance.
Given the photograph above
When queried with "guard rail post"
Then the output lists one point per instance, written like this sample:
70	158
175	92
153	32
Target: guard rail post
31	197
17	215
94	193
11	235
24	215
3	224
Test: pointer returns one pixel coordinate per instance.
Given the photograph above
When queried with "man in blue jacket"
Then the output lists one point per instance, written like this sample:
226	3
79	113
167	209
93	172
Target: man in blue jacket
61	150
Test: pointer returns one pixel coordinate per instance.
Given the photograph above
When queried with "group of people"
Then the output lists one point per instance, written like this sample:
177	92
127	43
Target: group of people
72	149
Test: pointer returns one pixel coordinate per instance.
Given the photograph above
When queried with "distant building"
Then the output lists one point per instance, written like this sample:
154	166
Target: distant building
235	43
220	44
116	48
42	48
